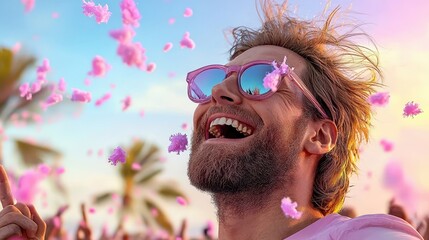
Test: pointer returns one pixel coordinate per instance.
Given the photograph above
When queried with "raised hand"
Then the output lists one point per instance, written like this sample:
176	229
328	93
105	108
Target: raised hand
84	231
54	224
18	220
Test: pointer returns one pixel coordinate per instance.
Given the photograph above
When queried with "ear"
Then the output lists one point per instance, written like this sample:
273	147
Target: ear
322	137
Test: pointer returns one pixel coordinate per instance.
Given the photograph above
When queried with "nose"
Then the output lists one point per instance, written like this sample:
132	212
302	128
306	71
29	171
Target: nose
227	91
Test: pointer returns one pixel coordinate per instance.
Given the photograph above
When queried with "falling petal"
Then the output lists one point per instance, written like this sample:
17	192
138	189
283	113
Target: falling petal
130	13
188	12
379	99
126	103
387	145
28	4
289	208
118	155
167	47
181	201
136	166
80	96
101	13
99	67
179	143
187	42
411	109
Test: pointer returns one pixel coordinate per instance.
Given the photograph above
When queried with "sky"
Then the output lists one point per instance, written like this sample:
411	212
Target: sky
60	32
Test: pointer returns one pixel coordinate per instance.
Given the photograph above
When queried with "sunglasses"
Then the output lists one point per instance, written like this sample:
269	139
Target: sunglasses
250	81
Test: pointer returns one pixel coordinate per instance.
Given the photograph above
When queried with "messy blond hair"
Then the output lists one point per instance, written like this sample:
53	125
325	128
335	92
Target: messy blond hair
341	74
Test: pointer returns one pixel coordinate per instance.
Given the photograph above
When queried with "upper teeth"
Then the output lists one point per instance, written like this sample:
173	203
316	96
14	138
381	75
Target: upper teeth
239	126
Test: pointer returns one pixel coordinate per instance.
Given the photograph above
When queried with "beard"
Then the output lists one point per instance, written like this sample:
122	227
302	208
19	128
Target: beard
259	167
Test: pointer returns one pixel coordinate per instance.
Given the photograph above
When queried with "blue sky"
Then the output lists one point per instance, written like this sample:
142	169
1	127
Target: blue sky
71	41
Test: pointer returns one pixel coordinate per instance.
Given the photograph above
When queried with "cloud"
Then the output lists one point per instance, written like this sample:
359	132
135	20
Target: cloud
171	97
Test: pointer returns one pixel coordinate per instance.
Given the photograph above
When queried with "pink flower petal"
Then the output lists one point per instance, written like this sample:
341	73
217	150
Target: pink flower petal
53	99
130	13
16	47
24	89
62	85
44	169
100	152
272	79
28	4
167	47
179	143
118	155
171	21
188	12
103	99
379	99
154	212
184	126
187	42
101	13
87	81
124	35
55	15
27	186
60	170
182	201
80	96
99	67
136	166
393	175
132	54
411	109
151	67
387	145
126	103
91	210
289	208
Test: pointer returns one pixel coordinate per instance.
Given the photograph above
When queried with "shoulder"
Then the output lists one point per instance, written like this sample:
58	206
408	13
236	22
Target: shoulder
377	226
374	226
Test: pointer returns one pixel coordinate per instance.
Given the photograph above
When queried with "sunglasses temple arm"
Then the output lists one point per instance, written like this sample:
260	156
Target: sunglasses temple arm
310	97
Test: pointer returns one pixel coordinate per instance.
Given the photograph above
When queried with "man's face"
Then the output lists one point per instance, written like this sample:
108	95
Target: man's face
241	145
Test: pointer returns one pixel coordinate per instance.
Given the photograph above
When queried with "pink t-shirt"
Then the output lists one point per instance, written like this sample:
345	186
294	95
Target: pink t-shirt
373	226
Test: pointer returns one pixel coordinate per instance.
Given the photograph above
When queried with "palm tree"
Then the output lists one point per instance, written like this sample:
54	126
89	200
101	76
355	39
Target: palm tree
148	157
12	67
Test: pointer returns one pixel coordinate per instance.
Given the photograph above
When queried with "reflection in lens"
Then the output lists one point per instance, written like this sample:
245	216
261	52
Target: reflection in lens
203	83
252	79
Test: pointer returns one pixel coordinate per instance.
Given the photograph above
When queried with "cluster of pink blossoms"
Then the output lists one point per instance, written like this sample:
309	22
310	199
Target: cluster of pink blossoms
26	90
101	13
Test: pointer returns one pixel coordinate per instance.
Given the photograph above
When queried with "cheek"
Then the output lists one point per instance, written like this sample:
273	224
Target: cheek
199	113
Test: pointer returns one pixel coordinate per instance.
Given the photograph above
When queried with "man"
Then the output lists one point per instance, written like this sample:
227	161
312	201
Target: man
253	145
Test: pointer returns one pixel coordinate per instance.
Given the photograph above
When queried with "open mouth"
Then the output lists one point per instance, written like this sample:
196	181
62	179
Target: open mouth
224	127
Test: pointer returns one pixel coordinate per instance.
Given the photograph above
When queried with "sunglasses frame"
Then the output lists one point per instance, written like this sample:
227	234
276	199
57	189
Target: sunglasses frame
239	69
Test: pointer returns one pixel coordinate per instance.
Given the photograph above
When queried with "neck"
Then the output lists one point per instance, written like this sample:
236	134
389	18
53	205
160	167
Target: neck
258	215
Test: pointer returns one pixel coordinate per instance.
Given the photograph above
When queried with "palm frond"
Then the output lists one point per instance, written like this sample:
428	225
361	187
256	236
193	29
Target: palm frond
102	198
6	58
28	105
146	178
33	154
168	191
10	73
161	218
149	155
